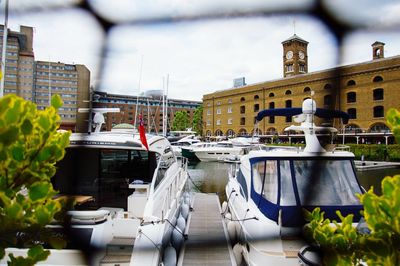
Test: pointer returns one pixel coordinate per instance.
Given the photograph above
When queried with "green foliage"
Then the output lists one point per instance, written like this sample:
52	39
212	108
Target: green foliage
181	121
376	152
343	244
30	145
197	123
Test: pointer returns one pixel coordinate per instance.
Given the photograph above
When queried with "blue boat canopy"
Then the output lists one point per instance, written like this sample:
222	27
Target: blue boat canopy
322	113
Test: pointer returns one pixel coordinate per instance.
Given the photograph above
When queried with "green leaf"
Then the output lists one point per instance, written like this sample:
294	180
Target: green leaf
9	135
14	210
43	216
18	153
11	116
56	101
26	127
44	154
57	242
38	253
44	122
39	191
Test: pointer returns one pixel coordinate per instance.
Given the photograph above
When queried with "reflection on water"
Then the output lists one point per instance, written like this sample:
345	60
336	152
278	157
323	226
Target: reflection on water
211	177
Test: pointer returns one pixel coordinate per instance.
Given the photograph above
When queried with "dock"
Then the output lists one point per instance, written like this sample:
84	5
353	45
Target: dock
208	242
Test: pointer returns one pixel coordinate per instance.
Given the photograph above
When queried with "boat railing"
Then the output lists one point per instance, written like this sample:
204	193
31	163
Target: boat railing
339	148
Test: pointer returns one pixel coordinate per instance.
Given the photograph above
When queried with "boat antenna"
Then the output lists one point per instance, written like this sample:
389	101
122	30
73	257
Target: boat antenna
137	97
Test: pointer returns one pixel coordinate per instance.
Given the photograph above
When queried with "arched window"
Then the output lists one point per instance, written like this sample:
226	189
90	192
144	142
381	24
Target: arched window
242	99
377	79
307	89
379	111
242	121
242	132
352	128
271	94
271	131
378	94
256	97
352	113
328	99
351	83
379	127
230	133
288	92
208	133
327	86
218	132
351	97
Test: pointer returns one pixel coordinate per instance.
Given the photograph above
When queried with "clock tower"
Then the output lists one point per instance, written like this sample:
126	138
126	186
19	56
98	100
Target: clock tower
295	58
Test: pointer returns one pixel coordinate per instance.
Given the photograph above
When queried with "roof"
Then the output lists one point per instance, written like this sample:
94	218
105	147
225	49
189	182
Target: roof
294	38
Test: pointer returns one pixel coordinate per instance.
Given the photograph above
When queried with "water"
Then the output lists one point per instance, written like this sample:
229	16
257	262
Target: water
211	177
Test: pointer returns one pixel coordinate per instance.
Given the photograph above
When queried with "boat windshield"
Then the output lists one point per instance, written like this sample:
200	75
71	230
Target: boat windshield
321	182
102	176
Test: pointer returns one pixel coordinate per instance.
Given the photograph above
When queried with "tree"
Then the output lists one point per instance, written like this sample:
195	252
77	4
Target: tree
197	123
30	145
181	121
376	244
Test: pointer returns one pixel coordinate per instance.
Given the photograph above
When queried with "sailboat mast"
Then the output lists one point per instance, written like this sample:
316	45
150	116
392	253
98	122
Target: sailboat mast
4	49
137	97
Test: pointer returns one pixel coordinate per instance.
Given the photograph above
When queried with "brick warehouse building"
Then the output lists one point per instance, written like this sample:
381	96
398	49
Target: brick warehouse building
149	105
365	91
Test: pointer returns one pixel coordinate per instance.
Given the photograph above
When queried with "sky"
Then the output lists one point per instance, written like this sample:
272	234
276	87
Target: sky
197	57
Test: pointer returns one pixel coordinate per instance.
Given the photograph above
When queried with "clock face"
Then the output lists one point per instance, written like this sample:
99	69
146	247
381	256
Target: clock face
289	55
301	55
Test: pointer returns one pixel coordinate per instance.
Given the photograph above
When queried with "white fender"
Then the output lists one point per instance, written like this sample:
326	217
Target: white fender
224	207
238	253
231	226
187	200
170	256
177	239
181	223
185	211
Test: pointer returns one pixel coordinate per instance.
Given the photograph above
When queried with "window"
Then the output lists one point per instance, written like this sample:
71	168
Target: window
256	97
218	122
229	100
289	68
328	99
242	99
242	109
209	104
327	86
265	179
351	97
229	110
380	127
230	121
302	68
218	111
208	123
242	121
378	111
288	92
271	119
306	89
208	112
352	113
243	185
288	104
351	83
378	94
271	94
256	107
377	79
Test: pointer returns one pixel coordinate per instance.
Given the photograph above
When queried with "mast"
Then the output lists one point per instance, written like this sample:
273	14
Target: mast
3	52
137	98
166	107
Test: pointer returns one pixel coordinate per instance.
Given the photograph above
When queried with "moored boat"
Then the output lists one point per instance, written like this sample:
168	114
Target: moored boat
268	191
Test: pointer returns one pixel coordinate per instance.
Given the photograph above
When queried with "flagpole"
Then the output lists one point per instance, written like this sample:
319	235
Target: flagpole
4	48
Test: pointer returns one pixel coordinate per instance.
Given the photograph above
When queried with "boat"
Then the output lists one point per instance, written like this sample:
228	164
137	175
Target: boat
175	135
183	142
268	191
131	202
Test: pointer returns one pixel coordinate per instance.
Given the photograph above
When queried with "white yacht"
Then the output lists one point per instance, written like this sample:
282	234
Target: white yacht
183	142
267	192
128	200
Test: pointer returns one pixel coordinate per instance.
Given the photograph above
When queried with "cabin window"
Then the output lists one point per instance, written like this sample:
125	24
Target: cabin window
334	184
242	181
265	179
287	194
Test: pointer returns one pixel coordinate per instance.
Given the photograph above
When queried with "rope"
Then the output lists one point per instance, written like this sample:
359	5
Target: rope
197	187
185	236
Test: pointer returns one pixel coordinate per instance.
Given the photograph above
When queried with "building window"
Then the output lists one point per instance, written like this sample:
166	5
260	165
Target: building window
229	110
380	127
302	67
288	104
218	111
208	112
378	111
306	89
230	121
328	99
256	107
351	83
378	79
289	68
218	122
209	104
242	109
288	92
378	94
352	113
208	123
256	97
327	86
229	100
242	121
271	95
242	99
351	97
219	103
271	119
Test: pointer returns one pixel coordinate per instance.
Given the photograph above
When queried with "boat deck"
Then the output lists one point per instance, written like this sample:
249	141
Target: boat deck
207	242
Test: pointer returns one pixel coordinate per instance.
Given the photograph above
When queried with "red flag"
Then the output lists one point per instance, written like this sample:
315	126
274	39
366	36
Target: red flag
142	132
